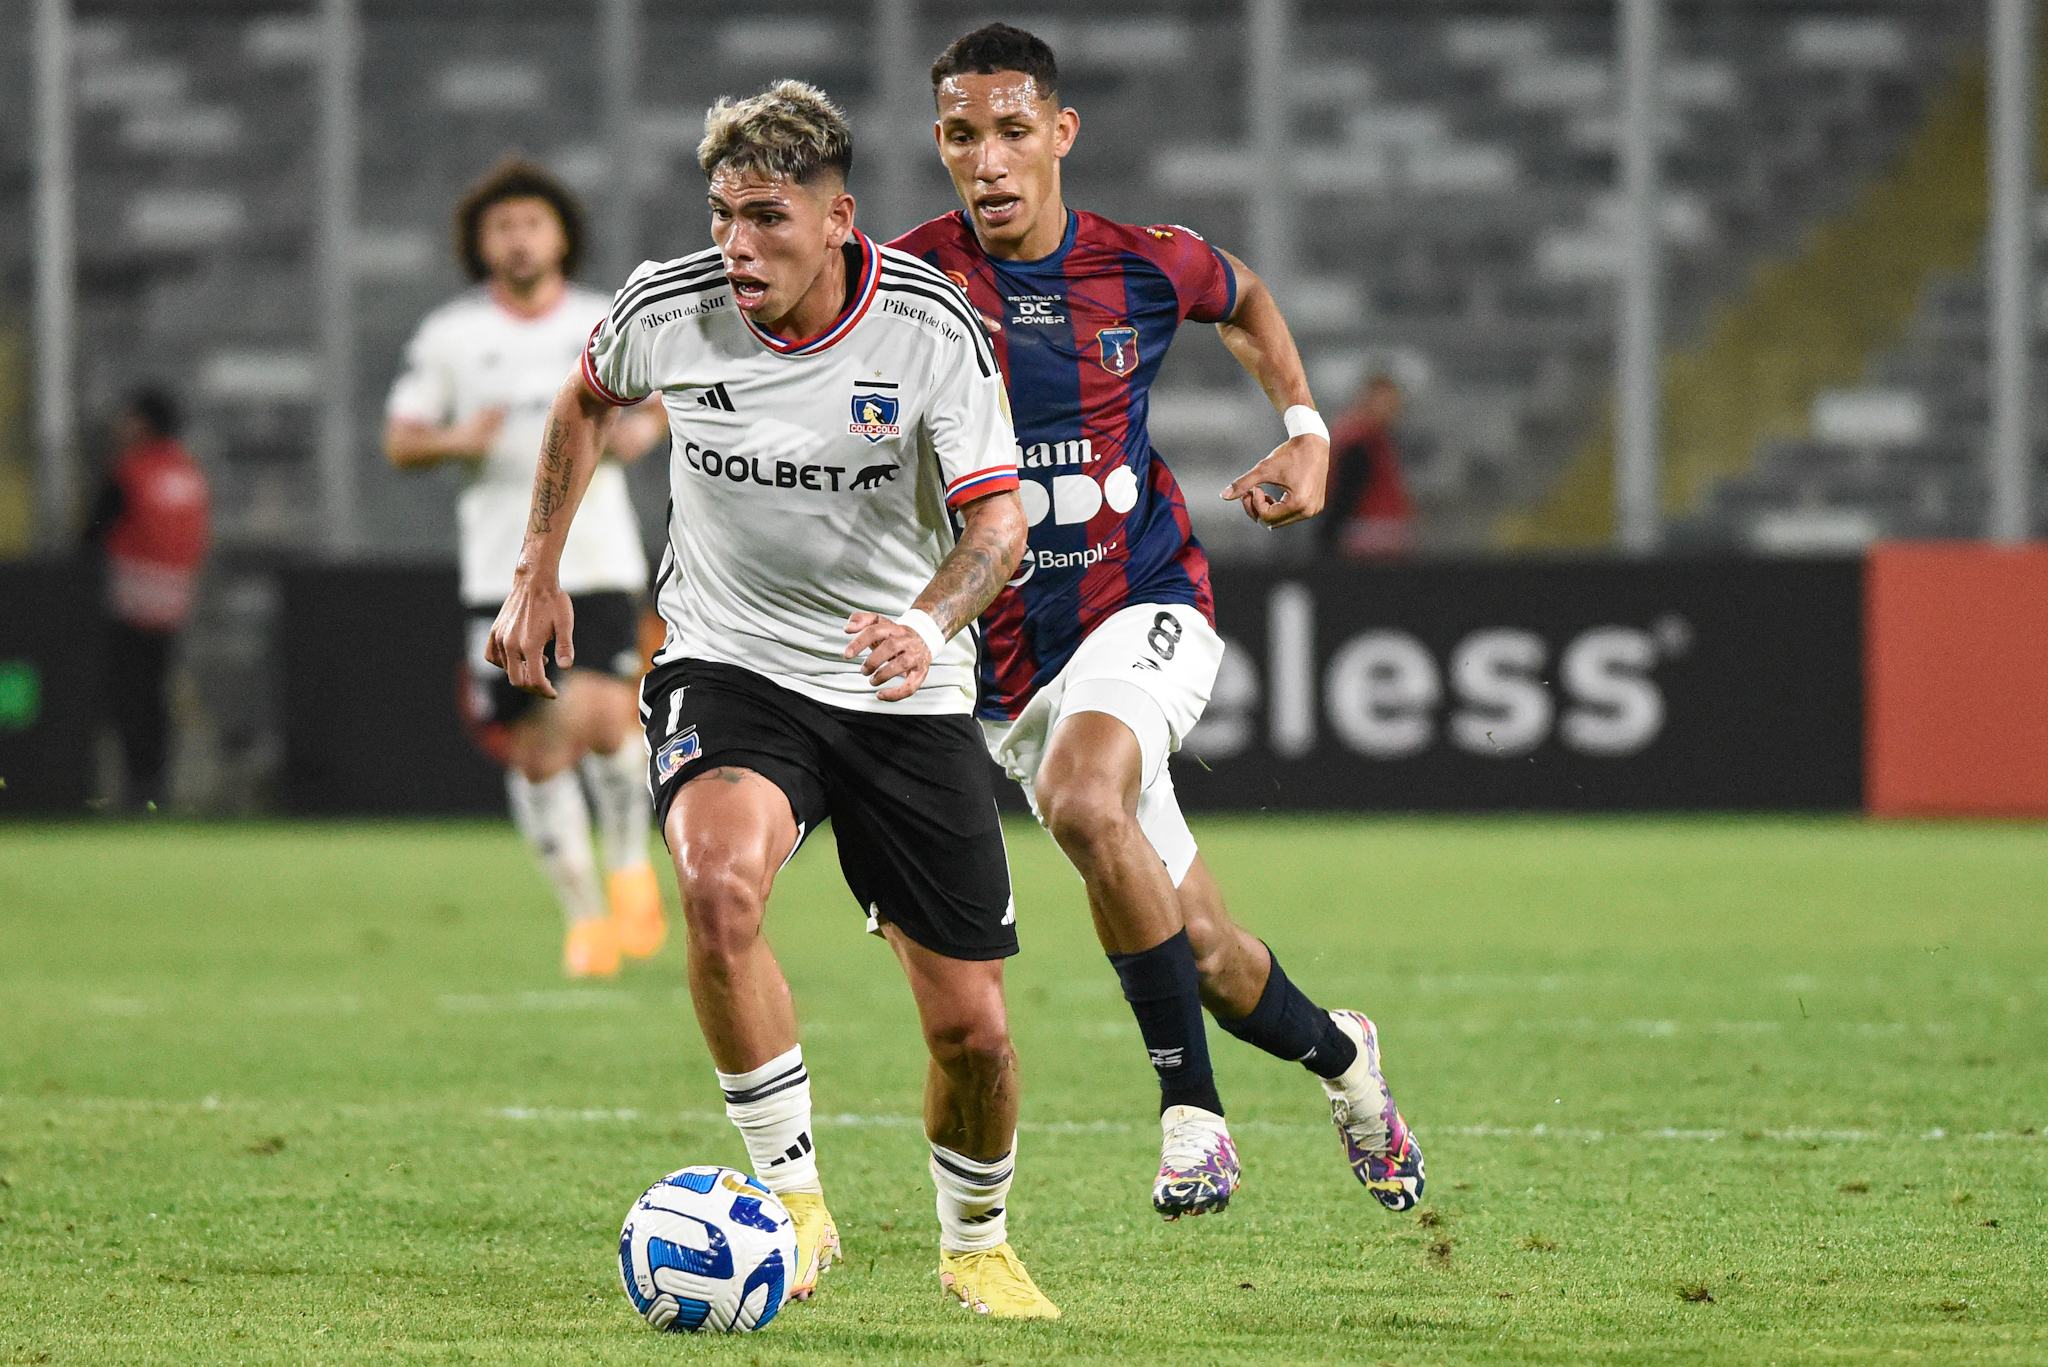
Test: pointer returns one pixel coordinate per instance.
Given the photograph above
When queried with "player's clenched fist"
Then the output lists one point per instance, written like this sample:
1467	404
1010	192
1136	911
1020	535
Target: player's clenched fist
534	614
895	650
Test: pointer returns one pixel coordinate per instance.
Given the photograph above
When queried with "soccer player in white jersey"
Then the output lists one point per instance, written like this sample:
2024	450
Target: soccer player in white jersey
843	476
479	376
1099	657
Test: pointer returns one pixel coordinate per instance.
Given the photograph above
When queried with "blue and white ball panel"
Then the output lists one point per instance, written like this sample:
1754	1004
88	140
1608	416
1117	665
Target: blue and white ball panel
707	1248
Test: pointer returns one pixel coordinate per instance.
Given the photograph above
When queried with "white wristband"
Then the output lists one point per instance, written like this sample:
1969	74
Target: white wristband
1302	419
920	621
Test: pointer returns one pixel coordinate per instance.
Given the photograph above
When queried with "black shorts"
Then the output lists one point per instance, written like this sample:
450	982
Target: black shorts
911	799
607	635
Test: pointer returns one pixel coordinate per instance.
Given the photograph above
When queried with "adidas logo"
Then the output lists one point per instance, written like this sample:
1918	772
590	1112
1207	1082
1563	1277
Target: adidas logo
716	397
795	1151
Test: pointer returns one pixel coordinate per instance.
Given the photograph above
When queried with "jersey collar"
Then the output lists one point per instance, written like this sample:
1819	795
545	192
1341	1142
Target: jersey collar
1050	261
855	310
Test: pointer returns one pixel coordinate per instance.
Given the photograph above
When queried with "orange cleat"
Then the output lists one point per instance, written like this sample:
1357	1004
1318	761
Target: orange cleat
639	924
591	950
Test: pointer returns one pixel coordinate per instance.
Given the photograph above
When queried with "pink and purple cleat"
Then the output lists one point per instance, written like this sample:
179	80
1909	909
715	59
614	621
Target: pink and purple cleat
1377	1144
1198	1167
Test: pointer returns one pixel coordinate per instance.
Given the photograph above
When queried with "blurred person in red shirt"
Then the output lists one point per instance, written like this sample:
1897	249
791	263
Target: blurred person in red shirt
149	524
1368	514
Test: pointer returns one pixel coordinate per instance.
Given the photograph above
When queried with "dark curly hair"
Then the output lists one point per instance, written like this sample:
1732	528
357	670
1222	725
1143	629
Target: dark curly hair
516	178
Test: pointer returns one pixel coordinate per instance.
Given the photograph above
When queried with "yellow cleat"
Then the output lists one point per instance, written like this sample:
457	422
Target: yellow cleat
817	1240
638	921
591	951
994	1283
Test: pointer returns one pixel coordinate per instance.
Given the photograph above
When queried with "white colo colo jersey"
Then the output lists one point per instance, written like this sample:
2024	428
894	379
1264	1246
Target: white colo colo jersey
469	355
811	479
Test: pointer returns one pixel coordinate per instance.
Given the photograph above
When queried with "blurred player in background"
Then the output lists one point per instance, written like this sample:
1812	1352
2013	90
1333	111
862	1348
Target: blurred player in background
842	465
1369	515
479	376
150	524
1100	656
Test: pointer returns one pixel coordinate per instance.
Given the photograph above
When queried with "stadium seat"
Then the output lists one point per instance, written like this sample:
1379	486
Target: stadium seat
1461	168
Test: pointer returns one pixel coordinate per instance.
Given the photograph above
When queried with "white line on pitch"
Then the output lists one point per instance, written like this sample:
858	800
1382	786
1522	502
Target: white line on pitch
850	1120
855	1120
569	999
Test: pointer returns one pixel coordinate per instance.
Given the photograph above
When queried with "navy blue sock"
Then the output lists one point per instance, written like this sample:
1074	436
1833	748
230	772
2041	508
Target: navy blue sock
1165	993
1288	1025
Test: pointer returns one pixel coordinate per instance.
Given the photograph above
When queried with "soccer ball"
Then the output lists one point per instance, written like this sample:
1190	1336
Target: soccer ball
707	1248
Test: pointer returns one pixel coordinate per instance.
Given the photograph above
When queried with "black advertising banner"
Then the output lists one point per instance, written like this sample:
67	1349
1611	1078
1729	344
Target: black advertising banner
1589	686
51	660
1596	685
371	662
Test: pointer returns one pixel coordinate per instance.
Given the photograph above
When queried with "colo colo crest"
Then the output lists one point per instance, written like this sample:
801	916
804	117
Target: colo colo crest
874	412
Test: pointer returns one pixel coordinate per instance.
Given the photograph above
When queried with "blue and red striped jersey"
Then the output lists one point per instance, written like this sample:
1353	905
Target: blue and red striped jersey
1084	331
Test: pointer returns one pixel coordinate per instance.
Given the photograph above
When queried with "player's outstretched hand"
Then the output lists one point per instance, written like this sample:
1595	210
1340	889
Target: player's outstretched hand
894	651
1299	467
534	614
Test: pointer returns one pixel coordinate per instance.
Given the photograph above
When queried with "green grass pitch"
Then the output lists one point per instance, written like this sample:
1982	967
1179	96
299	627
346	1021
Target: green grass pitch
1692	1091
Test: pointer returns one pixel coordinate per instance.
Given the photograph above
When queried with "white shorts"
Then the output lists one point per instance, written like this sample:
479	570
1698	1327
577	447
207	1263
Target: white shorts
1150	666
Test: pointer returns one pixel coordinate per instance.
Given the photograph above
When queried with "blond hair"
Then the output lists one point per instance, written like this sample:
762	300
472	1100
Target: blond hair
790	130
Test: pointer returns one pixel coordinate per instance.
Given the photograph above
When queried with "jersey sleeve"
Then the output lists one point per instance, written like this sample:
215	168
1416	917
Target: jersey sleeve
1206	284
618	362
968	421
423	391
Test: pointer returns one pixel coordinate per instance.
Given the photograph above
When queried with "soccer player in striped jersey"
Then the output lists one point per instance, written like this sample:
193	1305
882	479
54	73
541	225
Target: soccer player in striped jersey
1100	654
479	376
843	486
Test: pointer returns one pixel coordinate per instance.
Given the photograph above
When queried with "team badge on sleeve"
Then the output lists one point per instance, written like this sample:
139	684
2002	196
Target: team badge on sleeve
874	416
1119	355
675	753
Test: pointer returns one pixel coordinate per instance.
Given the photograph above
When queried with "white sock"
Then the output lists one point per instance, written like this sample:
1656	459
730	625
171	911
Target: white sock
618	792
972	1195
772	1107
556	822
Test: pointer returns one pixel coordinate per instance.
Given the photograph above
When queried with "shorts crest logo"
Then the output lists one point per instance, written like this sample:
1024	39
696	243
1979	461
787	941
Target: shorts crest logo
675	753
1119	355
874	416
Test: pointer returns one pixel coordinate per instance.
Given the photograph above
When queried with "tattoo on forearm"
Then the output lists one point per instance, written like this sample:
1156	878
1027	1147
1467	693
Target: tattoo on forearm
551	480
967	580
